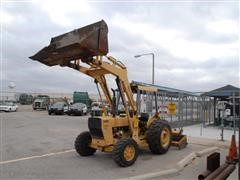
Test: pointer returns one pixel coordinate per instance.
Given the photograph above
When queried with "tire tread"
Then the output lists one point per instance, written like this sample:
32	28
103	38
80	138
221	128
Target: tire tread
81	144
118	152
153	137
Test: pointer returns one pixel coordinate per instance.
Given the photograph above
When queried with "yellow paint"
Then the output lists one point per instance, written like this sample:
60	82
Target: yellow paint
98	68
147	89
172	108
129	152
165	137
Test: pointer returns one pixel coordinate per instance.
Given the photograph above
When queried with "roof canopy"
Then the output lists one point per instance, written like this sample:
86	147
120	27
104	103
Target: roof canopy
166	89
224	91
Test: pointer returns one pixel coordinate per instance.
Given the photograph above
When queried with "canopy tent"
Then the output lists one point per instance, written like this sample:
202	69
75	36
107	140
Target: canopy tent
223	92
226	93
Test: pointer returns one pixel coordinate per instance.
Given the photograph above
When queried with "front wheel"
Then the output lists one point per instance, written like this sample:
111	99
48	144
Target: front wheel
82	144
159	137
81	113
125	152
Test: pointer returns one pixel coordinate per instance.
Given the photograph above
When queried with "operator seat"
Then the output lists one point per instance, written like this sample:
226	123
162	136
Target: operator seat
144	117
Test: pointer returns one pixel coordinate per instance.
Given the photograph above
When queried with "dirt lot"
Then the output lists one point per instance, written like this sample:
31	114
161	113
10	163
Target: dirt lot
35	145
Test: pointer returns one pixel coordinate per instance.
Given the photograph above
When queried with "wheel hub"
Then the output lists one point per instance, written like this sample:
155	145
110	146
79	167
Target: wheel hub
129	153
165	137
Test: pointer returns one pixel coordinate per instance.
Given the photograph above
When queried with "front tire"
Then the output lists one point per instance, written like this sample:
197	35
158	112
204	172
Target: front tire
81	113
82	144
125	152
159	137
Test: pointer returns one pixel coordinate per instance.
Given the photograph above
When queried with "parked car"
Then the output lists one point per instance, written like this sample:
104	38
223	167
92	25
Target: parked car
82	97
77	109
96	109
57	108
8	107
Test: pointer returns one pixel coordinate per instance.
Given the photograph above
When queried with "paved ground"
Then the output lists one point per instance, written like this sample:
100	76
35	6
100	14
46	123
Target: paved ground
198	164
210	132
32	134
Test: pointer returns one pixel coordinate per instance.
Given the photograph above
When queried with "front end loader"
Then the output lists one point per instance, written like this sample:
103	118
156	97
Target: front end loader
85	50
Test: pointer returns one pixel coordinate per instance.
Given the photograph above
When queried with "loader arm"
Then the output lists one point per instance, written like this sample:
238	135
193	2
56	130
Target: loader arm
85	49
99	68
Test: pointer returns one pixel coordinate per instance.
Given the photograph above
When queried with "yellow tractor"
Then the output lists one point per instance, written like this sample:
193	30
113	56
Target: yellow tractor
85	50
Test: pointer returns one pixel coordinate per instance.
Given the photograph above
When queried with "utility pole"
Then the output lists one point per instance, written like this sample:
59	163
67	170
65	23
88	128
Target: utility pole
153	63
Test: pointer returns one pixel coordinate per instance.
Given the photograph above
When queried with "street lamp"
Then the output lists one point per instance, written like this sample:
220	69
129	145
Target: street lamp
152	54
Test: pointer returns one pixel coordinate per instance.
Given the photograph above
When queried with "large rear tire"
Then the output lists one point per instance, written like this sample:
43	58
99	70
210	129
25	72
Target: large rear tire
82	144
125	152
159	137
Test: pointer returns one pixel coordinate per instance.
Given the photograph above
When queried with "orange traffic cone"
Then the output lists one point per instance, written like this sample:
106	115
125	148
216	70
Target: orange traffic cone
232	154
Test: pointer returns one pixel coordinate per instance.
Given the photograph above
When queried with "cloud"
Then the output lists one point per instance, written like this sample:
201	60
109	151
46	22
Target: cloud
61	12
224	27
195	44
6	18
171	39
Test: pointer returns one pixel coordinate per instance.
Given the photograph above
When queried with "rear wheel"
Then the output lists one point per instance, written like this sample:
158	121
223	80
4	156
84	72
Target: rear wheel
81	113
159	137
125	152
82	144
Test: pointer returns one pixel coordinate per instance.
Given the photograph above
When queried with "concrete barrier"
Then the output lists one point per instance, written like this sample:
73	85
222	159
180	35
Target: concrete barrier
179	167
185	161
206	151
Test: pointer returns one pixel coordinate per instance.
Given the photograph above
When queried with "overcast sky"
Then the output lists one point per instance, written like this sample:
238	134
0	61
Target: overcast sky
196	44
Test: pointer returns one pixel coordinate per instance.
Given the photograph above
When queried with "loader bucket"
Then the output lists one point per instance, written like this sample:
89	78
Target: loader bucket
82	43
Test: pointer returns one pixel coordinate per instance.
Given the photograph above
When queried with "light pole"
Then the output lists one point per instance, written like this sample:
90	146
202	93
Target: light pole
152	54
